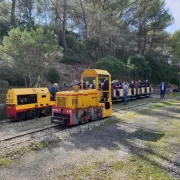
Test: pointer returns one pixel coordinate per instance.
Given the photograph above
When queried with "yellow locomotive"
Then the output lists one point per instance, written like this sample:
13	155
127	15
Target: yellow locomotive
82	105
28	103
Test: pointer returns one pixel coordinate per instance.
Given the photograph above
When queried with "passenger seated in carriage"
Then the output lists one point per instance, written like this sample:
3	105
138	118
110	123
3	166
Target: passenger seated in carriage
100	85
88	84
147	83
140	86
84	85
114	86
120	84
132	86
117	83
94	84
105	88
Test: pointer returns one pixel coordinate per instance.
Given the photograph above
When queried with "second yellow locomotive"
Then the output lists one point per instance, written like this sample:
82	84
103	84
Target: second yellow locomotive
83	105
28	103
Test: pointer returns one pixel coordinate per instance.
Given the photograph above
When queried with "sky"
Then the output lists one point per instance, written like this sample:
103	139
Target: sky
174	9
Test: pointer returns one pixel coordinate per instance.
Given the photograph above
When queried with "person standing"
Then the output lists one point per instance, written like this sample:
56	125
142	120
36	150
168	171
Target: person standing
106	88
125	91
162	89
53	90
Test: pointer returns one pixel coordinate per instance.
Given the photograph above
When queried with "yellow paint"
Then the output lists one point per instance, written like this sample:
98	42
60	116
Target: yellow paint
82	99
43	97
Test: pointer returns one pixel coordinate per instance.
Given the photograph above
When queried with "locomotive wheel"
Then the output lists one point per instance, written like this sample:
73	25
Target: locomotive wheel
21	115
33	113
48	111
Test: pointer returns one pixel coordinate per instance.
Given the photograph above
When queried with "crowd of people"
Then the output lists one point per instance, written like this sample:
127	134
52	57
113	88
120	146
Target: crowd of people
126	85
102	85
116	84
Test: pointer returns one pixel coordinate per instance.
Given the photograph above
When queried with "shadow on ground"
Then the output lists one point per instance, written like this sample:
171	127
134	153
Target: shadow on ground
112	136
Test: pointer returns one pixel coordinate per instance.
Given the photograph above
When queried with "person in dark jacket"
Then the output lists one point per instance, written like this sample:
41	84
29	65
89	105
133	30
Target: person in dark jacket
162	87
132	86
106	88
53	90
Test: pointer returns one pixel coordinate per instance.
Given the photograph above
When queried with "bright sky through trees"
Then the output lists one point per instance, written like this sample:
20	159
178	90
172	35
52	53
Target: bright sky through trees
173	6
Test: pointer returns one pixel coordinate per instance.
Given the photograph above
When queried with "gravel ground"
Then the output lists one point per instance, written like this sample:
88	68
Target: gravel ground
152	135
16	128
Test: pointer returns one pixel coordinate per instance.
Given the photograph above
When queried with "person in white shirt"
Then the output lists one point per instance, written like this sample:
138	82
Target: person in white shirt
125	91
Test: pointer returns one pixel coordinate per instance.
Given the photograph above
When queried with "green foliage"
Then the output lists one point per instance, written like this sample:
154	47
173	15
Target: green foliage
139	67
8	74
77	53
4	18
26	52
176	43
52	75
70	57
114	66
100	31
162	71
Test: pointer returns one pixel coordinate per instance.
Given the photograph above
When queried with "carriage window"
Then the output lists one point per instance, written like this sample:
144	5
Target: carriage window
89	83
27	99
103	88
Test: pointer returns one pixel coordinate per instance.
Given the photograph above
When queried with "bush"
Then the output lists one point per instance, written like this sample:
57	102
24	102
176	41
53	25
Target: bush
139	67
70	57
114	66
7	74
52	75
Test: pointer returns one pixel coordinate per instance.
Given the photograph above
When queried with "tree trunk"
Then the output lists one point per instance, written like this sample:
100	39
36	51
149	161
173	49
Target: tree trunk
13	13
145	41
63	32
140	29
152	40
37	85
25	82
85	21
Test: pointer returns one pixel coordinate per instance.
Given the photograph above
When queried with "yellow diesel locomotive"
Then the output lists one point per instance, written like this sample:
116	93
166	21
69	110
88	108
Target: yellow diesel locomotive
28	103
82	105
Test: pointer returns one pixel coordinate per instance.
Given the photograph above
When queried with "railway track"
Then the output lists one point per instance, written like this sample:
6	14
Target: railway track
41	132
27	133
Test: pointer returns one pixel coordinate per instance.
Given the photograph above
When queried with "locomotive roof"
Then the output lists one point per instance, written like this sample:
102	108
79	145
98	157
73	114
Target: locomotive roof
95	72
25	91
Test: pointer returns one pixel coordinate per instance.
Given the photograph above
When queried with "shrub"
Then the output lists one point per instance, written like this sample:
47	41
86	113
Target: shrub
52	75
114	66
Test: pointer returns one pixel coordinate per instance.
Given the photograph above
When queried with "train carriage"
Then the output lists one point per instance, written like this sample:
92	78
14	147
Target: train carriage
117	94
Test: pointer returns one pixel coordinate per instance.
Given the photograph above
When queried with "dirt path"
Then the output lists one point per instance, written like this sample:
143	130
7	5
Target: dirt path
137	145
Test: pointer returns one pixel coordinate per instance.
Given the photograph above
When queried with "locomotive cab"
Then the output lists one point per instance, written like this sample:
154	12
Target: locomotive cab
82	105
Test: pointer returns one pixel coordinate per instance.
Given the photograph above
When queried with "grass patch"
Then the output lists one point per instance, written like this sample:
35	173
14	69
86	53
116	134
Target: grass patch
6	161
126	116
134	168
20	152
174	94
157	105
139	168
118	165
